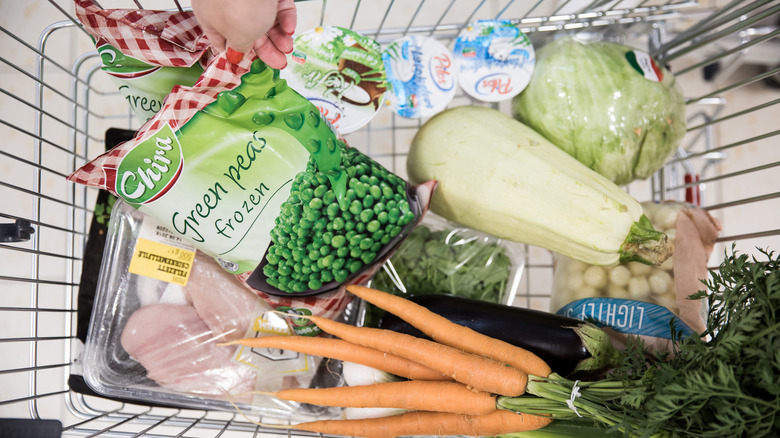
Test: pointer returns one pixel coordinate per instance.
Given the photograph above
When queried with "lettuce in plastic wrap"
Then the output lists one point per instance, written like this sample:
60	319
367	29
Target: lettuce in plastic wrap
612	107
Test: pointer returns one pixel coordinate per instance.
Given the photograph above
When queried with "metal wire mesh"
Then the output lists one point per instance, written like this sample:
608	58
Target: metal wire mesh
55	106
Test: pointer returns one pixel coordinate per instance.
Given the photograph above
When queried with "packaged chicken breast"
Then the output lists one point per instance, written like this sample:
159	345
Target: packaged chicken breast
163	311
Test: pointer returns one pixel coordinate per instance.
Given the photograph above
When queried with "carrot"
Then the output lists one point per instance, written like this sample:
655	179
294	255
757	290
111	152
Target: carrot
409	395
430	423
481	373
442	330
345	351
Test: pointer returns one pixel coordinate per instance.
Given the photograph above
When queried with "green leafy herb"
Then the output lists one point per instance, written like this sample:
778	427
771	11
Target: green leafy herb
725	383
445	262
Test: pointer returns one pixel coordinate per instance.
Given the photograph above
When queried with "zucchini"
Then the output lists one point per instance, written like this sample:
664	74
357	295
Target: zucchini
501	177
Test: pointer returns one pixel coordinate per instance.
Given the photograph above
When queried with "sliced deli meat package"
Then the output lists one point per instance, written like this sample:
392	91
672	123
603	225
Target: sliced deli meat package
247	170
634	299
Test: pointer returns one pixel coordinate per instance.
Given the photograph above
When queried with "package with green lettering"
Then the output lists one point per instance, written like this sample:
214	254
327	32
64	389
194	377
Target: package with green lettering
247	170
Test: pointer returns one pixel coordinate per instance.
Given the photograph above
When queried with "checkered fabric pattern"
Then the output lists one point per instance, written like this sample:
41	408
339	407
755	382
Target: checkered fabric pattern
164	38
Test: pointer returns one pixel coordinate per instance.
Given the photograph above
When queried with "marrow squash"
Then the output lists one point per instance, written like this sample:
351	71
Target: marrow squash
501	177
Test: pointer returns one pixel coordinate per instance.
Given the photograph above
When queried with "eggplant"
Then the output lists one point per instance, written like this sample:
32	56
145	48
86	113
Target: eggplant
566	344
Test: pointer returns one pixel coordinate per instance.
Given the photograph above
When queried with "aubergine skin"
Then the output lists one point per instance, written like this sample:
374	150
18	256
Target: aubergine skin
547	335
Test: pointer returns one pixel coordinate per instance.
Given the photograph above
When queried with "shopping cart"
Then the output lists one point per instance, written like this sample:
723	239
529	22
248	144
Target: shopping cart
56	106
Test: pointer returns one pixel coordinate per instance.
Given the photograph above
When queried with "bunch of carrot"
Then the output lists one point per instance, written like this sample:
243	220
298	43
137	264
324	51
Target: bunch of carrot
454	378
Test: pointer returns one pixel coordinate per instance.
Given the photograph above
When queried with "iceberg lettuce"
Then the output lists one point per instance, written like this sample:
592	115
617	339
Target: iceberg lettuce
611	107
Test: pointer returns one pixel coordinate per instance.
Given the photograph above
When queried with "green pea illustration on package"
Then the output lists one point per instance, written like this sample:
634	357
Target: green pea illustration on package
258	178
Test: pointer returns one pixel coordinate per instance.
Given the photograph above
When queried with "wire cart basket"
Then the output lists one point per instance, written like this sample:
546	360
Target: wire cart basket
56	105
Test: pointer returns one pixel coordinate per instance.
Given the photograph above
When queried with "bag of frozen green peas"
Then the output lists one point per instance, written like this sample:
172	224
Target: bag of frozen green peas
246	169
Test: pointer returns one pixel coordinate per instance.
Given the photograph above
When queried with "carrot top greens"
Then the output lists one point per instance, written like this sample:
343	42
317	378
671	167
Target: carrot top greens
724	383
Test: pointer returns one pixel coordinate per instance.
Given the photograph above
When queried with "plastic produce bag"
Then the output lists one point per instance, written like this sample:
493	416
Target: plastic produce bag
638	299
442	257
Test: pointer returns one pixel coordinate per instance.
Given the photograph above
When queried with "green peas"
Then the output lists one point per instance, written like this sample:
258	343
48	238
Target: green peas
375	191
338	241
342	252
338	263
366	243
341	275
366	215
355	240
373	226
356	207
368	257
393	216
368	201
326	276
314	284
338	224
382	217
332	210
329	197
354	266
379	207
315	203
306	195
324	250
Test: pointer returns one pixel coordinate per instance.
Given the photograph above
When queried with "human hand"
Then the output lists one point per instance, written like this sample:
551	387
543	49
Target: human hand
238	26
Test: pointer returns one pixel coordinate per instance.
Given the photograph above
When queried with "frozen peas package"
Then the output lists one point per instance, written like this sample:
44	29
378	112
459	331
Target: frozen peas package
245	169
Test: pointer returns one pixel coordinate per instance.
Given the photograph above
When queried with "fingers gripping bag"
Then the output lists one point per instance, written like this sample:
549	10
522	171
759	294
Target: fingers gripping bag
638	299
245	169
146	52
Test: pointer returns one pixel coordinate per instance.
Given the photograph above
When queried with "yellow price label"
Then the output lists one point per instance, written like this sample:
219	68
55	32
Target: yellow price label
161	262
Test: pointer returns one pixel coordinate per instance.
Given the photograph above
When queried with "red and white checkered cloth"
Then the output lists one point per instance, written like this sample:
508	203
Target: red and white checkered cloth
163	38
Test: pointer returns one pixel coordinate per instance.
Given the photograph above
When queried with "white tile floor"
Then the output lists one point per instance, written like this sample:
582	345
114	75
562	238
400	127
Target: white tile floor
26	20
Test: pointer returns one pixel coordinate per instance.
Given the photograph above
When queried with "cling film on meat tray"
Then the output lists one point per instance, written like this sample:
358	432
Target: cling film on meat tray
156	335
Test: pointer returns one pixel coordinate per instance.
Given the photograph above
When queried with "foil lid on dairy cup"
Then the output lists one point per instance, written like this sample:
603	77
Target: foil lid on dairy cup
341	72
494	59
421	76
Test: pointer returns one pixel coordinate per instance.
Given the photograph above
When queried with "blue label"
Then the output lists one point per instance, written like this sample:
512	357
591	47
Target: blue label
626	316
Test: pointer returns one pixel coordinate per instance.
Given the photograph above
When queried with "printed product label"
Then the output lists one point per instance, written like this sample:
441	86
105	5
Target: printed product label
161	254
341	72
271	363
421	74
144	86
644	64
626	316
495	60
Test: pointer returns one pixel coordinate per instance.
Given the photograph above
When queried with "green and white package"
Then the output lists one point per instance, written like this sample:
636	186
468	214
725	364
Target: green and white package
247	170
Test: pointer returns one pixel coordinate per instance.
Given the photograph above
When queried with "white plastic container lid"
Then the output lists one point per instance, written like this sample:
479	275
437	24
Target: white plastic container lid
421	75
494	59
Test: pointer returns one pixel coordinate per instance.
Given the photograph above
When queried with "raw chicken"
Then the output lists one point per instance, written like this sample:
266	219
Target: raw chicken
179	352
224	303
